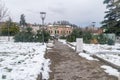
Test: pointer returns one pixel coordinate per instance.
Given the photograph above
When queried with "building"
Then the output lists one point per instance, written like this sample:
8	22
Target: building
94	30
54	30
35	28
59	30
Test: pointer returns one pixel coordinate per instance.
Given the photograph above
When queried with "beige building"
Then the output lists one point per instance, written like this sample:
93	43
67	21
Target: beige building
35	28
59	30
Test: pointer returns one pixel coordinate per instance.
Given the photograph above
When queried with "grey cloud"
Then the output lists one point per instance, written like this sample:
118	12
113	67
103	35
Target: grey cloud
80	12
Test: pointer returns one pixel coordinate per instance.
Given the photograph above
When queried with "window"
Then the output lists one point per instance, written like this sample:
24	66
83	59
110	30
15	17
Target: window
69	32
58	31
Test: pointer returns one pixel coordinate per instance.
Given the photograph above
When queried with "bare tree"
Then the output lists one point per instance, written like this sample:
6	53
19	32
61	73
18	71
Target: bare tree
3	11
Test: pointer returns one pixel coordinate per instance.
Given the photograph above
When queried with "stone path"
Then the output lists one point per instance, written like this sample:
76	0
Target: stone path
67	65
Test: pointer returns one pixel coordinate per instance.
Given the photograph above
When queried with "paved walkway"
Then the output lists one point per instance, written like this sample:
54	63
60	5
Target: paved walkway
67	65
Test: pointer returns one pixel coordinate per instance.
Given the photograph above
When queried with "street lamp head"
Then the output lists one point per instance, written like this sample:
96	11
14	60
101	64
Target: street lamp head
93	23
43	15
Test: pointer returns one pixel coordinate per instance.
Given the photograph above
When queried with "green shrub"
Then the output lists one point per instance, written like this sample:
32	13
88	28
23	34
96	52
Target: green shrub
46	36
87	37
110	42
24	37
29	36
19	37
71	38
102	39
38	37
77	33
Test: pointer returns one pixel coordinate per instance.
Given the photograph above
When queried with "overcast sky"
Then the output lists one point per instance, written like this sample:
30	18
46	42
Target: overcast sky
80	12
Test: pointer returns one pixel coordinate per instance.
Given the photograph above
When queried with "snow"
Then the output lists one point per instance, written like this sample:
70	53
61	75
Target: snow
113	58
62	40
50	45
86	56
94	48
73	43
23	61
71	46
110	70
107	52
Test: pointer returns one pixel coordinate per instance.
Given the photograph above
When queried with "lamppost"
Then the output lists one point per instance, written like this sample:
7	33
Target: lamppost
93	24
43	15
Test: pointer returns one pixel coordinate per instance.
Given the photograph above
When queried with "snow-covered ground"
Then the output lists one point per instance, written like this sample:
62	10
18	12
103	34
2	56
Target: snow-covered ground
111	57
23	61
87	56
94	48
107	52
62	40
110	70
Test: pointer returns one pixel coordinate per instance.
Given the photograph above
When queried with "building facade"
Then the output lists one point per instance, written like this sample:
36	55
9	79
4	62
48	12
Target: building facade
94	30
59	30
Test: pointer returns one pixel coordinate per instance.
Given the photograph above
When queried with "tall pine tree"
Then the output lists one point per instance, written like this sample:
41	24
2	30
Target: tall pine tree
23	23
112	18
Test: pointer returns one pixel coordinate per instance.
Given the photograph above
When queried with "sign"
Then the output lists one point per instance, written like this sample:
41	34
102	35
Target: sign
79	45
